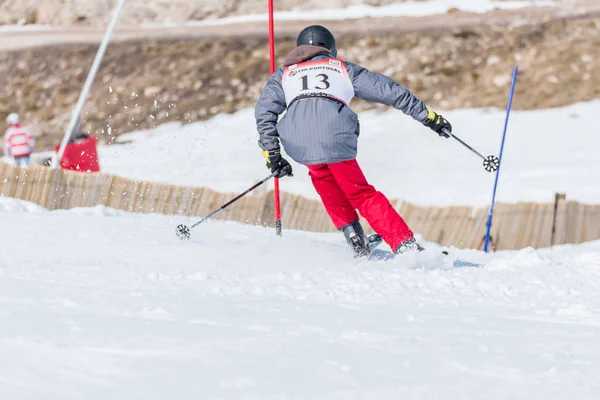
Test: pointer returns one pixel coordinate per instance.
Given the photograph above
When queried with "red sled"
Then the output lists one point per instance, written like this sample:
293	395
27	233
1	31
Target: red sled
81	155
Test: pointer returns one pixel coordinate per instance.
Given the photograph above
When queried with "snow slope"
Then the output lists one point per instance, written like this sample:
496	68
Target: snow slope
165	13
100	304
401	9
546	151
28	28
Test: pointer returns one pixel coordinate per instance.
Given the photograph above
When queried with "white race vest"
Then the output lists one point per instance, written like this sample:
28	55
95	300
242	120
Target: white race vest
324	78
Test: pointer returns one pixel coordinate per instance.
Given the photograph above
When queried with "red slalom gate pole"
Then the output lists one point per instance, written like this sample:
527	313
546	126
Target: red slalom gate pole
272	35
278	226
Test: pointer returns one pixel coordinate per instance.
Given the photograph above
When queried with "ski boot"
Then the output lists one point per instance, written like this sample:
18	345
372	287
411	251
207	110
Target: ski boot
409	246
360	244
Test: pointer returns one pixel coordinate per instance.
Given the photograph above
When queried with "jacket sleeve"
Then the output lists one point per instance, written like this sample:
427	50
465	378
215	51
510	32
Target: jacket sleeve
268	108
30	140
379	88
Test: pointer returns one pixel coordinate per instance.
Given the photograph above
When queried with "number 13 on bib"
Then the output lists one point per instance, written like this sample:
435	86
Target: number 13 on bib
324	78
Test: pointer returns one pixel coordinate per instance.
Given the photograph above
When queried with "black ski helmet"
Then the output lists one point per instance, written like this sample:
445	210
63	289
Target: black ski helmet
317	35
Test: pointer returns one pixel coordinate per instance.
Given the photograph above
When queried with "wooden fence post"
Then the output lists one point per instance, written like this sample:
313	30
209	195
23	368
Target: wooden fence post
557	198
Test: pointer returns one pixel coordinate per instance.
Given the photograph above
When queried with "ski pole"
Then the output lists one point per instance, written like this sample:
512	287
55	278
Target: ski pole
183	231
490	163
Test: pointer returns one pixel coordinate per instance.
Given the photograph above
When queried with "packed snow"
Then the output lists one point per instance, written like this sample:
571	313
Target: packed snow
546	151
400	9
98	304
21	28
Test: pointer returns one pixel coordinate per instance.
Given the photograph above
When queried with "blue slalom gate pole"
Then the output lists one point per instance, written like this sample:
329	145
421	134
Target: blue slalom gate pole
509	106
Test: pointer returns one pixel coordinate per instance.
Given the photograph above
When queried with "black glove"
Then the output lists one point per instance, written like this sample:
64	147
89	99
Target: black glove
438	124
277	164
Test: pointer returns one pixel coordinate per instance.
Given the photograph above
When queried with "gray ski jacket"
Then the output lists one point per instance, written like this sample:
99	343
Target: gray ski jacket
317	130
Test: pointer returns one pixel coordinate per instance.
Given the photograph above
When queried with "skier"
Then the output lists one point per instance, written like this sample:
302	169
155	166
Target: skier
320	131
18	141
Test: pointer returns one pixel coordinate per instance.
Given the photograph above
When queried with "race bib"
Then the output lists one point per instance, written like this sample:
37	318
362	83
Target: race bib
323	78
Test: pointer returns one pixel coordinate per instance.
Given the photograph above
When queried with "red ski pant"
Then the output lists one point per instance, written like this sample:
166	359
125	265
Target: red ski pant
344	189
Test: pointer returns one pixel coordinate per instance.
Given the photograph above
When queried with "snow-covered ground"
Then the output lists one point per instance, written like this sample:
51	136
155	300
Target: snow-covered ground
401	9
546	151
18	28
158	15
100	304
